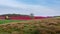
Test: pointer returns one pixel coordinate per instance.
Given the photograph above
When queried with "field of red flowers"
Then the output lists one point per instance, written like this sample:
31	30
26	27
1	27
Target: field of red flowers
44	26
23	17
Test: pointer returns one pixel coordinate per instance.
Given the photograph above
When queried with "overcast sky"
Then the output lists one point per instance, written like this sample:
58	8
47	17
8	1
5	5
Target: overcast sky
37	7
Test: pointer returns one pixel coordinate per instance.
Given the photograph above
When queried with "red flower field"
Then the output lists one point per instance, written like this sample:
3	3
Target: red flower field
23	17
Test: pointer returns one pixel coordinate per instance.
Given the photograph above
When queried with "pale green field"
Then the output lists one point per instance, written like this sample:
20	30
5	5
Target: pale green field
9	21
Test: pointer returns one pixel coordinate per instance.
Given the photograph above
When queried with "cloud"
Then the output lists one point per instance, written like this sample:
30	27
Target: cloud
12	6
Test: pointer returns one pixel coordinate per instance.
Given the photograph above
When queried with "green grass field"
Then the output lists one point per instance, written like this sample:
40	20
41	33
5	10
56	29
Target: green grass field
44	26
9	21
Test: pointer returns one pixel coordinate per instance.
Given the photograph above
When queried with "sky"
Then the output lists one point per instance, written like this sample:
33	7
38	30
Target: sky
37	7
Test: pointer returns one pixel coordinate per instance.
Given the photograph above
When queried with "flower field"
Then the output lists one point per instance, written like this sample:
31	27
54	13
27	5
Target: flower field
44	26
22	17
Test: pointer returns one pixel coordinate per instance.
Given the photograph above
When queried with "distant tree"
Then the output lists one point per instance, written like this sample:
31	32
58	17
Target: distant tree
32	16
13	15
